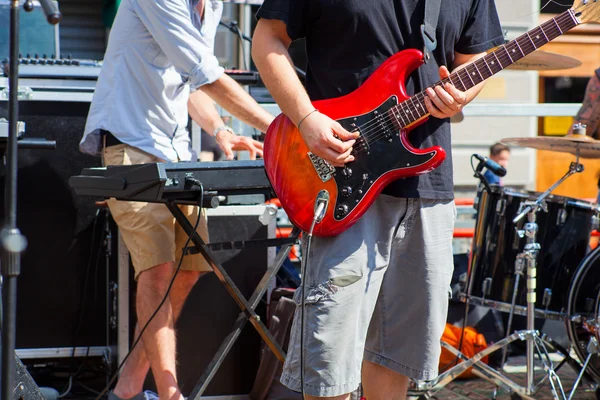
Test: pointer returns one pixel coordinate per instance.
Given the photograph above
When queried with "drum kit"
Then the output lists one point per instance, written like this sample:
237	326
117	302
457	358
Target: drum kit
531	256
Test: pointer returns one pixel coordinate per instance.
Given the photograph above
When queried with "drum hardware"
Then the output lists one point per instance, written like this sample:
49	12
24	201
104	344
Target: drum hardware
547	297
526	263
592	349
562	217
486	287
488	373
528	258
519	268
501	207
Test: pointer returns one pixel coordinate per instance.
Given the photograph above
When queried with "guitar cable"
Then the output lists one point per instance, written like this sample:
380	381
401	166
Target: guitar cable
137	340
321	203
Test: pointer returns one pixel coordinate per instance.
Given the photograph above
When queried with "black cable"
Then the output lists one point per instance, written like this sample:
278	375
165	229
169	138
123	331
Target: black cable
184	252
81	310
240	35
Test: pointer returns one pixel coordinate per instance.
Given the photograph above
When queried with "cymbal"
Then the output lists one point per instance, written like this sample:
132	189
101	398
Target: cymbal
458	117
541	60
588	147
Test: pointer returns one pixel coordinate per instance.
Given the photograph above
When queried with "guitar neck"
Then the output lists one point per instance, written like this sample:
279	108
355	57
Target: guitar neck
413	109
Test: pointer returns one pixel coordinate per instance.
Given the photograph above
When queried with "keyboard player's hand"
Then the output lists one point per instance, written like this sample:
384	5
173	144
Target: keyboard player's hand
231	142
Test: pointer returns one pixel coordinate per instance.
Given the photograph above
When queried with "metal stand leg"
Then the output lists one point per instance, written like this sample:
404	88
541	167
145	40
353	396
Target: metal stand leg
519	266
247	306
592	349
531	250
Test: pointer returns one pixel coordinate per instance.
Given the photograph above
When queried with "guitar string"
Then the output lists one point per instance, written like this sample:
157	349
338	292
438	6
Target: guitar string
371	131
505	57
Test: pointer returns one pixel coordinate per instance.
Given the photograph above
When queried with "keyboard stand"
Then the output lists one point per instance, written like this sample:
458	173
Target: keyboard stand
248	306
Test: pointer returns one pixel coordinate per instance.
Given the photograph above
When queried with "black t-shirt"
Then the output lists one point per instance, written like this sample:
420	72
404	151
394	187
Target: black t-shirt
346	40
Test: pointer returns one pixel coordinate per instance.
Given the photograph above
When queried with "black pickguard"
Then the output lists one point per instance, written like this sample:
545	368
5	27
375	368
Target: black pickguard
378	150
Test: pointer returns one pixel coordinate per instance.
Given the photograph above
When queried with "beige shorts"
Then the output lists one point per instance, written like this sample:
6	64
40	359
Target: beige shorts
151	233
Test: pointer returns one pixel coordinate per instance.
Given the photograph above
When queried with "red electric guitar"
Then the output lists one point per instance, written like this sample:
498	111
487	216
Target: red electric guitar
383	114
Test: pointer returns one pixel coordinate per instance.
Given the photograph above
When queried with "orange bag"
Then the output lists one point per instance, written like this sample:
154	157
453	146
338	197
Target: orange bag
473	343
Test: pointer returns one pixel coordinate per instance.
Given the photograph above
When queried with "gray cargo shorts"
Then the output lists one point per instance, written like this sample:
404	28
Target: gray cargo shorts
378	292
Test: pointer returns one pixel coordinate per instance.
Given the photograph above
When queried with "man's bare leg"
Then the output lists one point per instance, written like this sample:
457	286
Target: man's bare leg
133	375
381	383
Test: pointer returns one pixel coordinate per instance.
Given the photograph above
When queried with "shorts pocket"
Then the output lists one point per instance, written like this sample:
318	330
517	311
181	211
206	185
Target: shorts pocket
337	289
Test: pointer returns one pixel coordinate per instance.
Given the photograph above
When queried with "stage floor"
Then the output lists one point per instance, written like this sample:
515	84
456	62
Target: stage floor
479	389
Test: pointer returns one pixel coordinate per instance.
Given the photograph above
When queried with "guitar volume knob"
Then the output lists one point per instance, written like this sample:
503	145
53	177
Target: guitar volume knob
346	191
342	210
347	172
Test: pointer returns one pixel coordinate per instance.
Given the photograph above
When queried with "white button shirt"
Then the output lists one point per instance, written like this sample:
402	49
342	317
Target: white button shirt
158	51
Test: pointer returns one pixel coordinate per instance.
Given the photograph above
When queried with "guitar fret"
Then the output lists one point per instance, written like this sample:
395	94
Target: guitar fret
558	26
538	40
575	22
399	115
407	116
395	116
466	72
475	73
452	82
404	111
478	71
532	42
544	33
487	65
525	44
513	51
412	108
497	60
519	47
461	82
420	107
508	54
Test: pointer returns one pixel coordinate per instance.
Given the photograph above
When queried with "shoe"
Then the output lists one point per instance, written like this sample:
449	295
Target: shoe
145	395
149	395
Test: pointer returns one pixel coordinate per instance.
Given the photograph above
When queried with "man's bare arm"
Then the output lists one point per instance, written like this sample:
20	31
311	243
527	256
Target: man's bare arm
232	97
324	137
202	109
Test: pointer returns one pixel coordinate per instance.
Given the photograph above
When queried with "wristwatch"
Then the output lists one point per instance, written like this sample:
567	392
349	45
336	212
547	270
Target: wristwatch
222	128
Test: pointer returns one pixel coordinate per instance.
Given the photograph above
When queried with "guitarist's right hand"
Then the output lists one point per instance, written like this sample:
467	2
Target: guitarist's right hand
327	139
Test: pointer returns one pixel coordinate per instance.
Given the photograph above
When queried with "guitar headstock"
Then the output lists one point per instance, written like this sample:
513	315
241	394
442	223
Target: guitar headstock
587	11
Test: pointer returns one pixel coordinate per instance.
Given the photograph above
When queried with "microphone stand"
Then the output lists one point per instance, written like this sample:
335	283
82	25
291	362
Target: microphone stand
11	240
233	27
481	177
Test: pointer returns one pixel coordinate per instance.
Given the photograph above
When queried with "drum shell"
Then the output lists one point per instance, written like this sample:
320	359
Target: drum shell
583	307
563	234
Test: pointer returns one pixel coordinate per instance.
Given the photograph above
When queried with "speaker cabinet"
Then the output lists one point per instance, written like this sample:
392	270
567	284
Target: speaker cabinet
210	312
64	291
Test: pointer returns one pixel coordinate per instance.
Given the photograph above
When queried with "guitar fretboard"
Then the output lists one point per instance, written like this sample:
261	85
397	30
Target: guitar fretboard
413	109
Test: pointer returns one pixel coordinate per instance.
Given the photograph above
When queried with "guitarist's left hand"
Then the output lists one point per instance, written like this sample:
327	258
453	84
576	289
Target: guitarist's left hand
445	101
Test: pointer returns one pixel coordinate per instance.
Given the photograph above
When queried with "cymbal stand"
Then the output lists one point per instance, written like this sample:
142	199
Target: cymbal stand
534	342
528	257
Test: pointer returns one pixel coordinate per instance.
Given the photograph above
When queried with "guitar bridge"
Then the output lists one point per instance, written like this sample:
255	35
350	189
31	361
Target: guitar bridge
322	167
